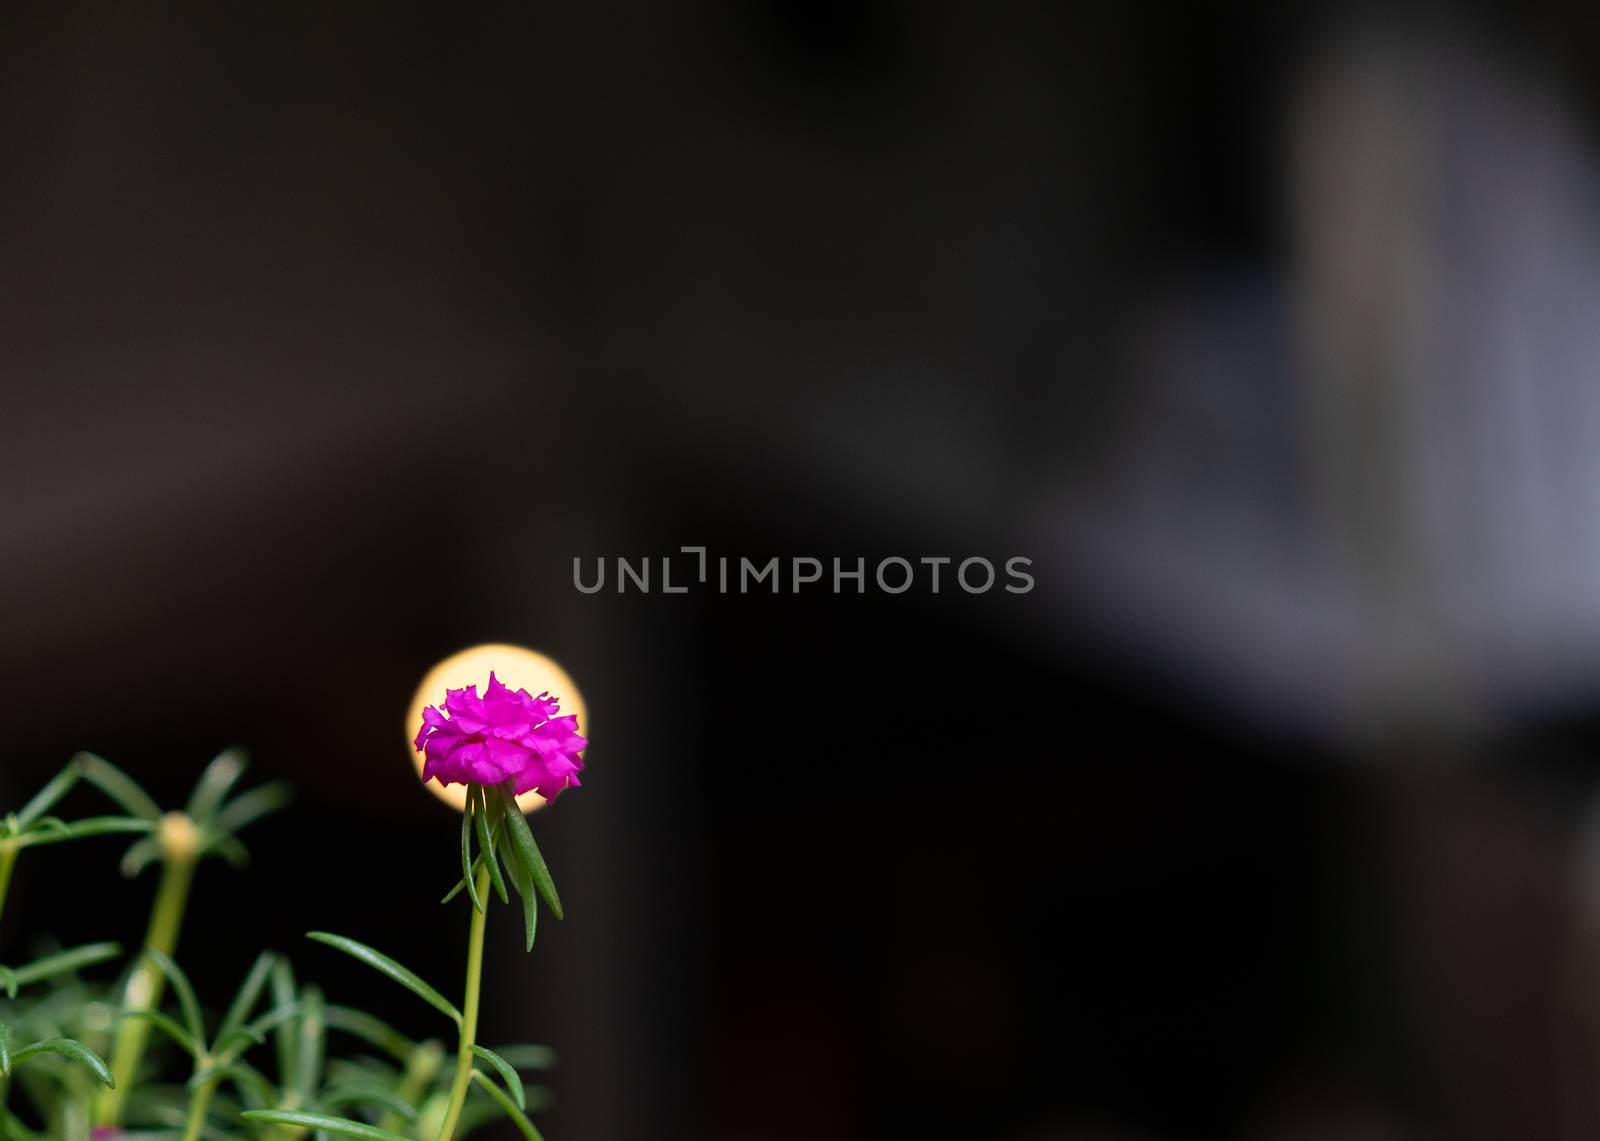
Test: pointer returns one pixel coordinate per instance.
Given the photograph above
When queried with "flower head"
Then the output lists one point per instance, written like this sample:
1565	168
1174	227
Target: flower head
501	736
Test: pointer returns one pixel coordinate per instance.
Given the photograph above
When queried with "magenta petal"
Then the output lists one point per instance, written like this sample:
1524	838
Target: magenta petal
503	735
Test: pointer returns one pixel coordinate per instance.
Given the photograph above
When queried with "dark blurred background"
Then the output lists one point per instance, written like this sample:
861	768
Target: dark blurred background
330	334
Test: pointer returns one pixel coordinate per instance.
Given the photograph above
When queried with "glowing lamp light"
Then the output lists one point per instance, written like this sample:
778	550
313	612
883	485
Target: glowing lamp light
517	667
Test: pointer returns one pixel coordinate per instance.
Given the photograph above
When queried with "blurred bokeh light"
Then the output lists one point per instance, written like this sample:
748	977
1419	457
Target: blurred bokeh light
517	668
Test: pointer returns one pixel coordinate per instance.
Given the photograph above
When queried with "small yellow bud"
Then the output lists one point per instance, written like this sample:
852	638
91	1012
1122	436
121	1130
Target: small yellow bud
178	837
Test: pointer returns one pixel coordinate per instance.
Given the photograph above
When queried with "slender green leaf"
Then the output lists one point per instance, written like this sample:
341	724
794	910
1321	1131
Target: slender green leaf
486	841
529	1056
313	1040
250	807
45	826
83	829
118	785
518	871
254	1033
508	1074
369	1029
140	855
187	1002
383	964
45	799
528	852
249	1081
228	847
249	992
8	982
461	884
285	993
466	858
338	1097
5	1049
518	1118
169	1027
497	833
64	961
212	787
341	1126
232	1044
71	1050
272	1019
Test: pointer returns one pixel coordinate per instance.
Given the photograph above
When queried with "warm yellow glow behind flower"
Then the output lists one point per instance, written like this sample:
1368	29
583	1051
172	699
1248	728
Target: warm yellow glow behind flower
517	667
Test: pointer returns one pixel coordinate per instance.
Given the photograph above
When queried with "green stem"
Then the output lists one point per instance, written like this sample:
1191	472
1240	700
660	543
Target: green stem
469	1013
74	1117
198	1104
8	860
146	984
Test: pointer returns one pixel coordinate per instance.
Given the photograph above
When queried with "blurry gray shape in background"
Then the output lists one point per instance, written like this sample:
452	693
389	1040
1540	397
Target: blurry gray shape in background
1369	498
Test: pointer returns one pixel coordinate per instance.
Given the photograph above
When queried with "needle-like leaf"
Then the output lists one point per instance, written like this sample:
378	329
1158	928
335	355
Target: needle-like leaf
187	1002
118	785
140	855
461	884
46	825
369	1029
212	787
508	1074
64	961
383	964
341	1126
83	829
250	1082
527	852
313	1041
229	848
518	1118
47	796
284	993
253	1033
466	858
518	872
245	1001
486	841
71	1050
250	807
365	1093
169	1027
529	1056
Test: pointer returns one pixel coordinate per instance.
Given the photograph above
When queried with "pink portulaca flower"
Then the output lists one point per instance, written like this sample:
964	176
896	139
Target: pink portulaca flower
501	736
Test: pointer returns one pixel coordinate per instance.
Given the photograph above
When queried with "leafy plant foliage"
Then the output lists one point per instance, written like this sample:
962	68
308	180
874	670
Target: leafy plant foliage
279	1060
